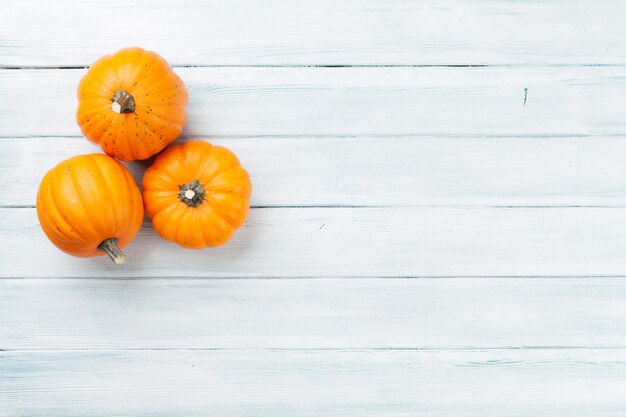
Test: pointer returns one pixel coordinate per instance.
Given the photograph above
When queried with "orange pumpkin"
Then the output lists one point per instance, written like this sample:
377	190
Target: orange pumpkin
131	104
197	194
89	205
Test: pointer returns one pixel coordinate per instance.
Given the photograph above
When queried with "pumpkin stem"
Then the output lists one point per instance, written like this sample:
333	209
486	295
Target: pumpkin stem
123	102
191	193
110	247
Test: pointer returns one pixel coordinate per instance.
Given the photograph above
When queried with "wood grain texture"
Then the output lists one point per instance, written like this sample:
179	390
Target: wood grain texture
352	101
505	383
439	226
386	171
364	242
322	32
329	313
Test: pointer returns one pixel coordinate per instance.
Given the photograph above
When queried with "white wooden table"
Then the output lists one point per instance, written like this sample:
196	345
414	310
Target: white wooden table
438	223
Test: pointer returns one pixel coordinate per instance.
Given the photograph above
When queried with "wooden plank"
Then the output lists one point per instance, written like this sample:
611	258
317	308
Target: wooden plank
503	383
352	101
389	171
364	242
329	313
322	32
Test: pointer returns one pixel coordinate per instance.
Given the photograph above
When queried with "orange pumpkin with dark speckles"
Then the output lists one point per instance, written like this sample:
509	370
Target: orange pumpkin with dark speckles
131	104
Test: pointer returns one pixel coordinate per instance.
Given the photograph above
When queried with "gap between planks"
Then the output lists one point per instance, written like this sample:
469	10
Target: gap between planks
304	278
365	206
504	65
340	137
322	349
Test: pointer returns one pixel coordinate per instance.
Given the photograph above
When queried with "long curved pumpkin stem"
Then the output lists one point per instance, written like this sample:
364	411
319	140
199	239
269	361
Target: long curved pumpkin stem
110	247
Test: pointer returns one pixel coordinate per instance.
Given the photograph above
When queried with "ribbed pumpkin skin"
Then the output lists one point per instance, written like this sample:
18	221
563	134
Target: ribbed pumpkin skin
226	202
160	100
87	199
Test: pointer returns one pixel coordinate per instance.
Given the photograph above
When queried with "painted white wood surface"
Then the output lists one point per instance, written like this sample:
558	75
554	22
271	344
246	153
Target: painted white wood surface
320	32
331	313
506	383
410	208
352	101
355	242
380	171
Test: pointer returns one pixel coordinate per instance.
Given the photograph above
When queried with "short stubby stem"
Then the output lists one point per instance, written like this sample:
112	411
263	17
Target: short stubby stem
191	193
110	247
122	102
